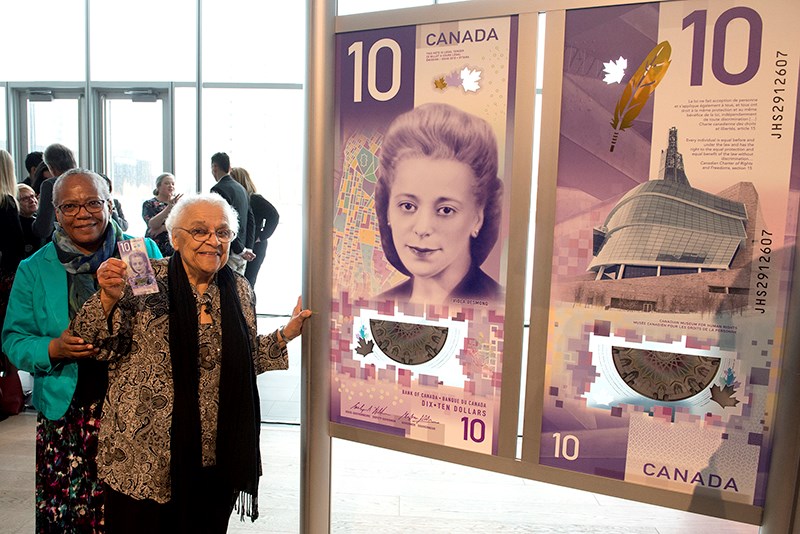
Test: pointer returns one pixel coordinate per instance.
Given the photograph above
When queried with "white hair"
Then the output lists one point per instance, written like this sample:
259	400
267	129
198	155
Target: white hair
24	187
212	199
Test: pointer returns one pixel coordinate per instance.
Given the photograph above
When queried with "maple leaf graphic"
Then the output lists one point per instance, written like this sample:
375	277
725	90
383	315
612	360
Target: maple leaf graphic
453	79
364	347
615	70
469	79
724	396
440	83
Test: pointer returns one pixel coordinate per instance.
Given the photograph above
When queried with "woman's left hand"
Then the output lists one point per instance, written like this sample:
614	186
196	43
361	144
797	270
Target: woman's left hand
295	325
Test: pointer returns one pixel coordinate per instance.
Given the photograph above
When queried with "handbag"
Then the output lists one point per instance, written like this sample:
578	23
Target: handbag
12	399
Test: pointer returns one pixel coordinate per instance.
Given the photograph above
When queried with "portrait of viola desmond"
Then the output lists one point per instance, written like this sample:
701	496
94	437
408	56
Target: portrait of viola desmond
438	200
141	273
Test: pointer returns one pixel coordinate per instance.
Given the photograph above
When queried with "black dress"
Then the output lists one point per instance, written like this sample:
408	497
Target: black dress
12	246
32	241
266	220
12	242
151	208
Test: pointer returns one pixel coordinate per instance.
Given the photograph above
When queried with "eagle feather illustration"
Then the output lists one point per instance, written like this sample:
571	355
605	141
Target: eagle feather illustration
640	87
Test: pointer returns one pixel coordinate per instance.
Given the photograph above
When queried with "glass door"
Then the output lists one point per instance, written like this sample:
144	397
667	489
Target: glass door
44	116
3	129
134	128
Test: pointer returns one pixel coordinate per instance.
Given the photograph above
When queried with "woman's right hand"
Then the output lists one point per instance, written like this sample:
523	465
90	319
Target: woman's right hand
111	276
174	200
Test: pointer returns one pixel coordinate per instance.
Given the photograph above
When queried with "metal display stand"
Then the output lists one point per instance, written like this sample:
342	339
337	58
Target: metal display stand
782	496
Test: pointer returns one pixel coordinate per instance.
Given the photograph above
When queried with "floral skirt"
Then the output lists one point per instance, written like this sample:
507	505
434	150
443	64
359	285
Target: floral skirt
69	498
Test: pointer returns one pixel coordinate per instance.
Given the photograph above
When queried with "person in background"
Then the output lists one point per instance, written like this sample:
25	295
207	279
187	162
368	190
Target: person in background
156	210
266	219
28	203
41	174
116	212
11	253
59	159
68	392
12	243
237	197
32	161
194	348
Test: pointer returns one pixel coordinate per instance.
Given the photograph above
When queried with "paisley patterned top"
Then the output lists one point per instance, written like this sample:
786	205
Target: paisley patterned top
134	450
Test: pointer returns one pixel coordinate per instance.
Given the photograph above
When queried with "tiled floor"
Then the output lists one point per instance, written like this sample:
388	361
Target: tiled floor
377	491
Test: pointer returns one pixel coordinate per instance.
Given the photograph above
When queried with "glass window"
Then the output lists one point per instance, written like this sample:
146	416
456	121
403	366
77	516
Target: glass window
43	40
537	127
185	110
634	271
55	121
349	7
669	271
155	41
3	129
133	147
262	131
253	42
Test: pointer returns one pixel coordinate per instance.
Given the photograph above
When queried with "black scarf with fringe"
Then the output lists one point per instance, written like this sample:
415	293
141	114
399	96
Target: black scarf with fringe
238	421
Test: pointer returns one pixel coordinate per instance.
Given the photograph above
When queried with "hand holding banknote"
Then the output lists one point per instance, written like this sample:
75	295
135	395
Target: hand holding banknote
111	277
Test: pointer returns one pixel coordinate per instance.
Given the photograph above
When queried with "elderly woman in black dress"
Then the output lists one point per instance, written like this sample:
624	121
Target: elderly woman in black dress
179	443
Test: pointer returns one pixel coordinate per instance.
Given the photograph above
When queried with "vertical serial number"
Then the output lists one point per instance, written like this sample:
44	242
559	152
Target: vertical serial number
762	277
778	94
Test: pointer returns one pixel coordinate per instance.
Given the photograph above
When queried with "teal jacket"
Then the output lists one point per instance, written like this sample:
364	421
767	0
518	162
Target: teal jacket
38	312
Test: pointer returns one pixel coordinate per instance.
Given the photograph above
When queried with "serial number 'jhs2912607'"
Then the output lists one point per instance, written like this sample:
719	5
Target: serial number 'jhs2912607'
778	101
763	266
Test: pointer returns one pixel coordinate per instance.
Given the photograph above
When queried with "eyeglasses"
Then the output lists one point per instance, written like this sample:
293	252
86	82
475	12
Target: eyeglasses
93	206
29	198
224	235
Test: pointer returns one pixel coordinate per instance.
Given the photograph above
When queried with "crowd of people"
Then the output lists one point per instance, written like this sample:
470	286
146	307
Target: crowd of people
147	405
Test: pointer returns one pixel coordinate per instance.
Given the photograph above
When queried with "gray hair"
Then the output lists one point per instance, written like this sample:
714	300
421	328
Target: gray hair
24	187
99	183
212	199
59	158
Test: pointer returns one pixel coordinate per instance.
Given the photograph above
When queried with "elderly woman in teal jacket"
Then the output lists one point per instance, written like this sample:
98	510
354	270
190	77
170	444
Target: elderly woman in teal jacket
49	288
